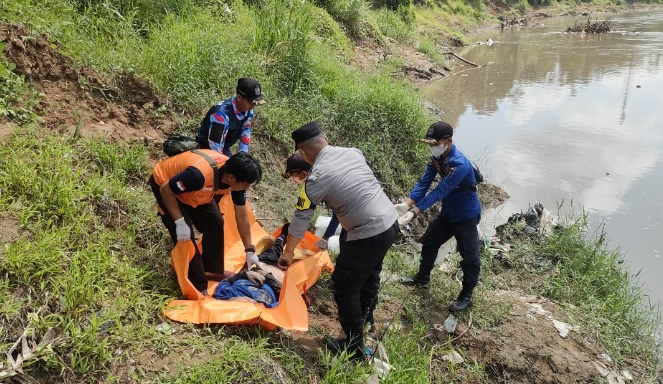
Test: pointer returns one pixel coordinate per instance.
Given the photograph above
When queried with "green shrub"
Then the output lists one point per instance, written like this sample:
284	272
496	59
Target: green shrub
17	100
397	25
350	13
392	4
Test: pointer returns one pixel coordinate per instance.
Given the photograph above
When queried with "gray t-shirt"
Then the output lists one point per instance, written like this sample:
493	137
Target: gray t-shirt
341	178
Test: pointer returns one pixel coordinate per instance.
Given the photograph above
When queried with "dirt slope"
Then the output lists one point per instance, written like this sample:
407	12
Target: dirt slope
126	109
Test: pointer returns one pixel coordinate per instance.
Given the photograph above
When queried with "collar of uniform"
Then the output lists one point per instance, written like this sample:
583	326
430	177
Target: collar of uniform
323	150
238	114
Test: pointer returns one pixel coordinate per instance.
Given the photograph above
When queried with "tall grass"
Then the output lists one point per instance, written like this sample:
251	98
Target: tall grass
591	276
283	37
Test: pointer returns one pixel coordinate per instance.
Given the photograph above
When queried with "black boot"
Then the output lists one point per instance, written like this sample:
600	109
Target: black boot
418	281
334	345
355	344
463	301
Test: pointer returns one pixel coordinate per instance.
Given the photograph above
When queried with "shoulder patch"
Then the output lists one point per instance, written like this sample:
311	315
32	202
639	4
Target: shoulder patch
303	202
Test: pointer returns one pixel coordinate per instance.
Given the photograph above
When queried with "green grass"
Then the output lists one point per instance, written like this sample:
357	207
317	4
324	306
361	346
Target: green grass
591	277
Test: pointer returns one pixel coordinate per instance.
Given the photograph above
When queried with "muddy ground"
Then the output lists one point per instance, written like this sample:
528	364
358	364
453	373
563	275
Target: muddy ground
526	348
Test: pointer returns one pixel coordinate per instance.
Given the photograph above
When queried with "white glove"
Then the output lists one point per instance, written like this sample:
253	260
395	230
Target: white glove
401	208
406	218
183	230
252	259
322	243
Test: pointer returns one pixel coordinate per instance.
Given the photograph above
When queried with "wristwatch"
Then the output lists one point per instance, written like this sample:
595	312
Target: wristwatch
250	249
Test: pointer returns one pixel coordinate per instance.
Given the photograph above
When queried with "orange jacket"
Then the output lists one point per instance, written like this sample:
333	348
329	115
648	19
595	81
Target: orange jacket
170	167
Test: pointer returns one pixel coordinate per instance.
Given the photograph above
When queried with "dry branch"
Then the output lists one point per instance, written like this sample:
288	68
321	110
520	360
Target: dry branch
29	350
589	26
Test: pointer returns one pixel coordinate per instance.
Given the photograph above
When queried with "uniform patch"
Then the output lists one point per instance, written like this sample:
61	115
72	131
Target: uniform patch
180	186
303	202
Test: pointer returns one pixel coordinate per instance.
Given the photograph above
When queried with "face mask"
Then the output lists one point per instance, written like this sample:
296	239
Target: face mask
438	150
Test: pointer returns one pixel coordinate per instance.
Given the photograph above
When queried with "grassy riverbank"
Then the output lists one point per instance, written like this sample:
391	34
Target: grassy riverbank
85	256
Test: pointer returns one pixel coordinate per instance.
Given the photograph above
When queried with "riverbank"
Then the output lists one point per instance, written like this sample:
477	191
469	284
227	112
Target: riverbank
85	257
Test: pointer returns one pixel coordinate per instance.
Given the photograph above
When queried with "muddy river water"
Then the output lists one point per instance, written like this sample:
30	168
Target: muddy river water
565	118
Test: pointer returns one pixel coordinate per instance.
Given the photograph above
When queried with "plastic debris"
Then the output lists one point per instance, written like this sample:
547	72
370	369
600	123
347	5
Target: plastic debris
627	375
564	328
605	357
166	328
601	369
382	368
615	378
453	357
450	324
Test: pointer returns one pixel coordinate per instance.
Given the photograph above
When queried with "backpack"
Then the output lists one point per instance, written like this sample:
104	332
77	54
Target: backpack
177	143
478	178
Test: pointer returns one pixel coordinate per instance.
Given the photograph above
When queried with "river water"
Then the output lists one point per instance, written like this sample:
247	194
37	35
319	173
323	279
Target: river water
565	118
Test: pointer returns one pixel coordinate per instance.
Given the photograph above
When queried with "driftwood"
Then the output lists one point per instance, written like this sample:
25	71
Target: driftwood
510	21
461	59
589	26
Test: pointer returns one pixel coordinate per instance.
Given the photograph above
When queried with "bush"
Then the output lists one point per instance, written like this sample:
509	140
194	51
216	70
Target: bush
16	98
392	4
397	25
348	12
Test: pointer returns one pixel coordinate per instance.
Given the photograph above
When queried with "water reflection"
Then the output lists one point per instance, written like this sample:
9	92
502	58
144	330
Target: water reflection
556	116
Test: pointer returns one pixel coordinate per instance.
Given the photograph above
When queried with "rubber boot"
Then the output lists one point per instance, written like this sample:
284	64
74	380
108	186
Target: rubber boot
463	301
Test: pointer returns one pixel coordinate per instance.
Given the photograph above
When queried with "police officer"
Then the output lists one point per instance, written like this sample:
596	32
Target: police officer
341	178
459	216
184	187
230	121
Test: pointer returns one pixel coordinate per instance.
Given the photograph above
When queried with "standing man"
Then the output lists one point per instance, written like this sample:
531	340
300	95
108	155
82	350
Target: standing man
459	217
230	121
184	186
341	178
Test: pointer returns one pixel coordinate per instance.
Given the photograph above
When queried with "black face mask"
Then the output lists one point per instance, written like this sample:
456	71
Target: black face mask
224	186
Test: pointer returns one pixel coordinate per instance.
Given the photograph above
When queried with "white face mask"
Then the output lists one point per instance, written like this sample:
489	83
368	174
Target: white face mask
438	150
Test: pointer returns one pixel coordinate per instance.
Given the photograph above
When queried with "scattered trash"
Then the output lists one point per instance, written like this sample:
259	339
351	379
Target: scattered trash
382	368
627	375
166	328
615	378
530	230
371	379
453	357
564	328
605	357
450	324
601	369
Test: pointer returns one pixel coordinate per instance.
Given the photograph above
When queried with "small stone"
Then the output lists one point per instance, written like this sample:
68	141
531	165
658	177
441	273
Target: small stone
453	357
627	375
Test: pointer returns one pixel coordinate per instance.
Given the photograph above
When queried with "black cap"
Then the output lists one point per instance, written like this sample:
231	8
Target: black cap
250	89
437	132
295	163
305	132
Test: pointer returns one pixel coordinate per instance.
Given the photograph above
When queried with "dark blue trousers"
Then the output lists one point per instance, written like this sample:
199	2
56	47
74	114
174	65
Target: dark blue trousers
439	231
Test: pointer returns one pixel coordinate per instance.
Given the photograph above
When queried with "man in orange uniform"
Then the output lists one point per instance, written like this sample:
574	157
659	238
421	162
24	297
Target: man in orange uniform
184	186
